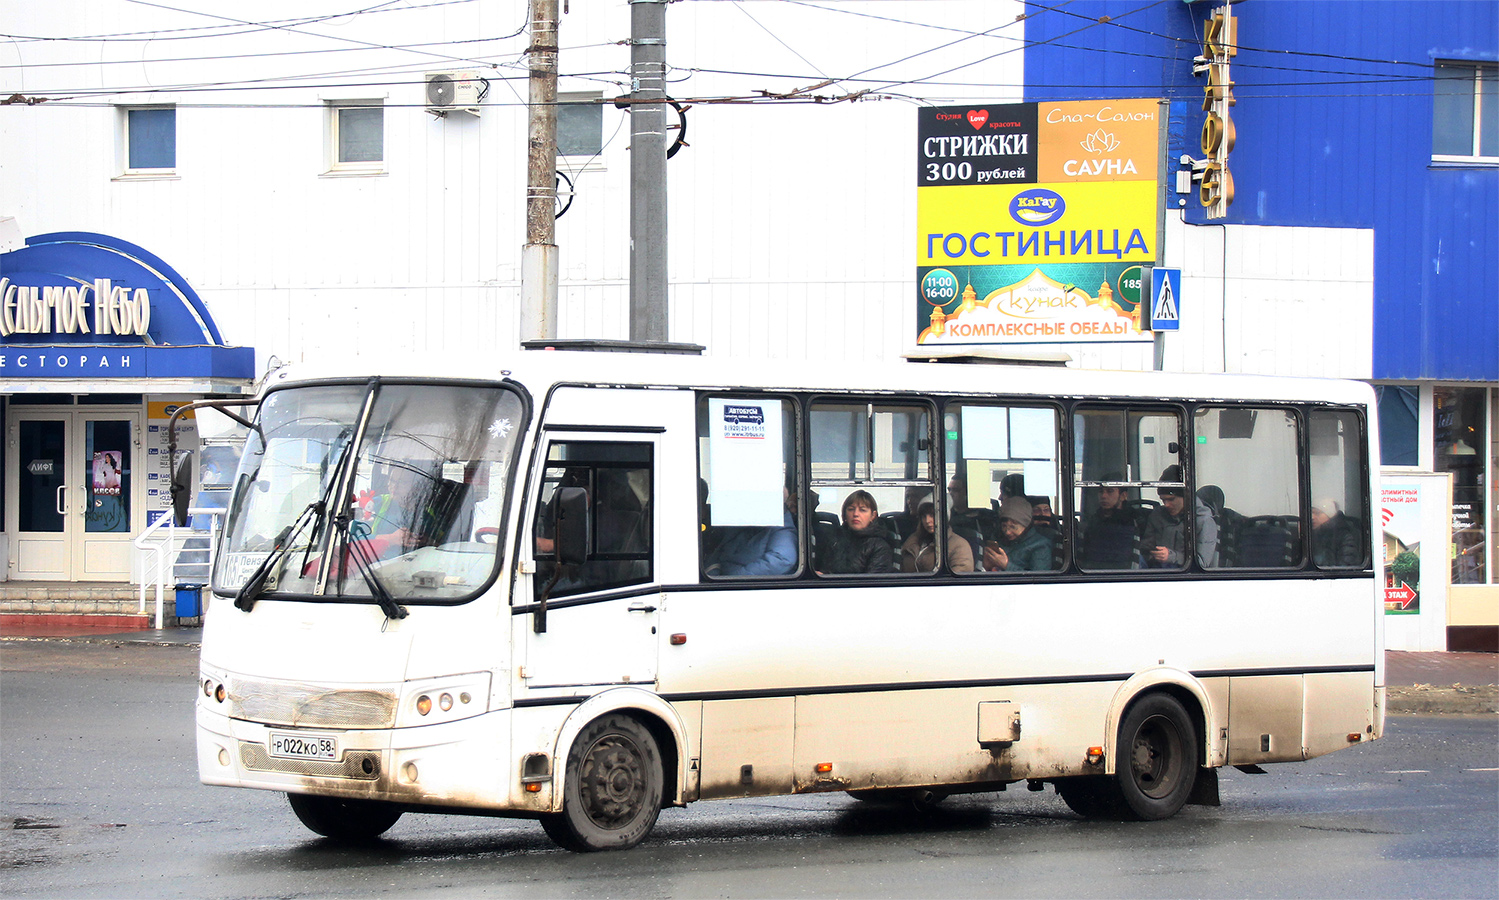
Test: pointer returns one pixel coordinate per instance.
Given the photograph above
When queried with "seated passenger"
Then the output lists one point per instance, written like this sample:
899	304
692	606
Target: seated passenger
751	550
919	552
861	548
1107	536
1041	514
1334	536
1020	547
1163	539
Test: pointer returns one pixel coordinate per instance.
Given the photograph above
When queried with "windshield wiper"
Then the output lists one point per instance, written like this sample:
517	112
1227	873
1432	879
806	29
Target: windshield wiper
254	586
357	547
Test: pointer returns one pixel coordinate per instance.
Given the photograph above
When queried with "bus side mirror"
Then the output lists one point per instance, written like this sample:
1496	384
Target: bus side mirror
181	487
572	526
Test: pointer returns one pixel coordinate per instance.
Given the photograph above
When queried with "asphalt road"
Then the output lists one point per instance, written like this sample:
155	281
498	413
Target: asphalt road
99	798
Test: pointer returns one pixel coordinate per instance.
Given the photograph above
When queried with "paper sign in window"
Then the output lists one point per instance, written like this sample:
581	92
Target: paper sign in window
986	432
1033	433
745	449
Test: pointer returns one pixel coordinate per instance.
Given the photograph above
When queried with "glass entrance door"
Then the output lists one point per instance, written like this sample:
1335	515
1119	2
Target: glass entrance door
71	494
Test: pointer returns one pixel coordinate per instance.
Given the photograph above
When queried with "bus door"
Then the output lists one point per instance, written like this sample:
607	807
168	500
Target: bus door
598	491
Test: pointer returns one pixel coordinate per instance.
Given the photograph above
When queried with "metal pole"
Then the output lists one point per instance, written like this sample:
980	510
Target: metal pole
648	308
538	266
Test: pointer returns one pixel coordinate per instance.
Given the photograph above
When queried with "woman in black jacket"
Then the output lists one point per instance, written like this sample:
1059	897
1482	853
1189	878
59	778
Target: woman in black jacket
861	547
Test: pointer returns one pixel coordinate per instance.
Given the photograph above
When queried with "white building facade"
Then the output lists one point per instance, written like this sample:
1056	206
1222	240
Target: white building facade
291	172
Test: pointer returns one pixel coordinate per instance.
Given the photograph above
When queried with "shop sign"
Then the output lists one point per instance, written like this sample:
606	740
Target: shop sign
100	308
1010	195
1030	305
83	305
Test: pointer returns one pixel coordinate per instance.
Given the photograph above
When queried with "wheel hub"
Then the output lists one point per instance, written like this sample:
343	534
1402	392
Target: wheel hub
613	781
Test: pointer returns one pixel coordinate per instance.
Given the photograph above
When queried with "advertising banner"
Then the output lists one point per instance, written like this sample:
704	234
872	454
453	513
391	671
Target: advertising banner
1414	518
1029	214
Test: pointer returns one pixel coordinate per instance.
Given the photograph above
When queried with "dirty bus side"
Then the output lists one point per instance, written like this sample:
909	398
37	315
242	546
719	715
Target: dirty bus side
581	601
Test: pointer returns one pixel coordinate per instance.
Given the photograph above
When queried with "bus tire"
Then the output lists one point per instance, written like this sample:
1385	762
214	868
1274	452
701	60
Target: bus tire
353	821
1158	758
612	789
1090	796
919	800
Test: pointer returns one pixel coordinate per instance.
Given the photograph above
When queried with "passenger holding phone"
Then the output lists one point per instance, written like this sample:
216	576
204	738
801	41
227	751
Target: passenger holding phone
1020	547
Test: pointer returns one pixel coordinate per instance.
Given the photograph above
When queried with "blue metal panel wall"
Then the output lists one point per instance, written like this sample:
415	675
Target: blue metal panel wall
1334	129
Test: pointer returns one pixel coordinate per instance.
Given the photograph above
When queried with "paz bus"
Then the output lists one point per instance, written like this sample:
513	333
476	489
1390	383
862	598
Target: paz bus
592	585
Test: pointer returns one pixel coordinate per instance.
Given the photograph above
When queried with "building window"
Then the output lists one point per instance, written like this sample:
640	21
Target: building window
356	136
1465	123
580	124
1399	426
150	141
1461	435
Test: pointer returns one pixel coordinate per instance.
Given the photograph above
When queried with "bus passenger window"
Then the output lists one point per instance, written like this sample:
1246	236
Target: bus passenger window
747	496
1128	470
1003	486
1339	522
871	469
1247	467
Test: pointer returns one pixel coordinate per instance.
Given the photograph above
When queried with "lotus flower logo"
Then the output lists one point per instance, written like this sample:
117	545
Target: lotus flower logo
1100	141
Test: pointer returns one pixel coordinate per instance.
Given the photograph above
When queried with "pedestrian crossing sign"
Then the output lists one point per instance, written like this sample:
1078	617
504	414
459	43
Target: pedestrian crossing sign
1164	306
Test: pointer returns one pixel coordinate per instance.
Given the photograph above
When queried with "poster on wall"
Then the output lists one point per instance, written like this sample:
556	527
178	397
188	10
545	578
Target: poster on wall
1029	216
1400	511
745	445
106	473
159	463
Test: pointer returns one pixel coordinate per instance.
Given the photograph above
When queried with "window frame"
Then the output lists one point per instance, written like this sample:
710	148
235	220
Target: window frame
142	173
582	162
795	467
593	465
331	123
1183	413
1477	75
1062	459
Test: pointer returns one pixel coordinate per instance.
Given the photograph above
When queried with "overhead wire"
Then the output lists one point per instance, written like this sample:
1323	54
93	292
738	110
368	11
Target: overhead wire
856	80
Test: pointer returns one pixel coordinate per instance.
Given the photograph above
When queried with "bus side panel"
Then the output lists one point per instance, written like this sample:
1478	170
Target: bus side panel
1338	705
949	737
747	747
1264	719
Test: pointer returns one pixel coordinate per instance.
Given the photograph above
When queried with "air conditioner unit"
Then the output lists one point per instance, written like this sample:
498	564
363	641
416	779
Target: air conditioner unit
455	92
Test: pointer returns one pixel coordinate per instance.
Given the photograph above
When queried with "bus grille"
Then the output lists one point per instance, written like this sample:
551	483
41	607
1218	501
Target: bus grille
361	764
310	705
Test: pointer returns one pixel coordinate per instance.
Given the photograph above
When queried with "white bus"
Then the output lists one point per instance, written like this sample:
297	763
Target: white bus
596	584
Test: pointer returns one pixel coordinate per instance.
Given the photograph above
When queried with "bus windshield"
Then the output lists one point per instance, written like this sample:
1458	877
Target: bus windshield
358	490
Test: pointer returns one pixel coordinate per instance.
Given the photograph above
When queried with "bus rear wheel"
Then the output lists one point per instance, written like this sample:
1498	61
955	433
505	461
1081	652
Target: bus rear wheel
1154	772
1158	758
612	788
344	820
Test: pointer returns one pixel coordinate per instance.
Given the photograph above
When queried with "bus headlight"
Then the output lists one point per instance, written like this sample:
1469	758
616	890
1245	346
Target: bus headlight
449	699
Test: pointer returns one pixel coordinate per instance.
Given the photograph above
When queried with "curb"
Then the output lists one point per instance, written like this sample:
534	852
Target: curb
1436	700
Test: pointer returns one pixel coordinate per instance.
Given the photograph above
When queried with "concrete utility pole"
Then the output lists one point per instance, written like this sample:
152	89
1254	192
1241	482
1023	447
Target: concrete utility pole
648	308
538	265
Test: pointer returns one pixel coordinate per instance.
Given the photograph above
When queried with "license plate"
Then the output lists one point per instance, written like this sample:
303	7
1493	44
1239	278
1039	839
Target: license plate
304	746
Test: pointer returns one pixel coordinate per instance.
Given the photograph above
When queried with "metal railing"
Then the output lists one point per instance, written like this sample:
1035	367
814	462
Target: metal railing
172	554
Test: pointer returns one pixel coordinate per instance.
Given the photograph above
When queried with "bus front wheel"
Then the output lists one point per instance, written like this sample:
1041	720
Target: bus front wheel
612	788
344	820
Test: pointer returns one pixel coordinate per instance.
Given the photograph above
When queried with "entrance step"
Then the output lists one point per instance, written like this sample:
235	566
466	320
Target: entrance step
106	604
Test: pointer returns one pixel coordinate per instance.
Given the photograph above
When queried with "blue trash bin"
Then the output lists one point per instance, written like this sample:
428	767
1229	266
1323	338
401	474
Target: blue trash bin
189	601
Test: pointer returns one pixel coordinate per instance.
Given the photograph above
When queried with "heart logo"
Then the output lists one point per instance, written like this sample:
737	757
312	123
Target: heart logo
977	117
